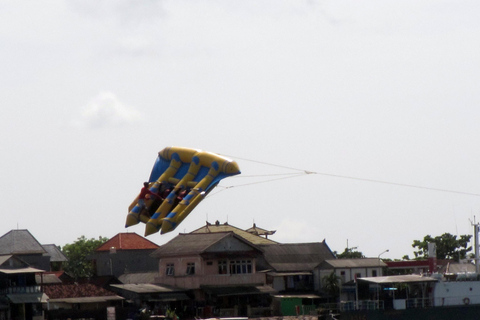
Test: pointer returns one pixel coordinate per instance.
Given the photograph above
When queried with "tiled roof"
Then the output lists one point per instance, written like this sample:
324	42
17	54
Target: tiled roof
189	243
217	227
259	231
54	252
58	291
296	256
19	242
196	243
127	241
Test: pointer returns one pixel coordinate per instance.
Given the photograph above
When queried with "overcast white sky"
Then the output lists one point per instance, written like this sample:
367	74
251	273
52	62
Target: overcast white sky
90	91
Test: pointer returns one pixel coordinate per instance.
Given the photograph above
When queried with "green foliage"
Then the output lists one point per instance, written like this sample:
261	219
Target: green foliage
78	264
448	246
331	284
349	253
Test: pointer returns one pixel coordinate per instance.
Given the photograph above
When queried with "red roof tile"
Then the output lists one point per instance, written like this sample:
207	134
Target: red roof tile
127	241
58	291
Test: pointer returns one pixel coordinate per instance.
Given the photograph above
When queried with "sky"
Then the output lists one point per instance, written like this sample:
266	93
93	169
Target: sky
378	100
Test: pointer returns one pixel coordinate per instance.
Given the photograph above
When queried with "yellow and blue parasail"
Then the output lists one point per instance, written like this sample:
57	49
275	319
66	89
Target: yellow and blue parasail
180	180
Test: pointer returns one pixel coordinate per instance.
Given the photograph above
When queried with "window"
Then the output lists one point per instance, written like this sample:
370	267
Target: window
191	268
170	270
222	267
240	266
374	273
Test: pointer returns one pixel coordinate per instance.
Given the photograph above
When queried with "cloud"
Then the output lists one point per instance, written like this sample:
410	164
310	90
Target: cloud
106	110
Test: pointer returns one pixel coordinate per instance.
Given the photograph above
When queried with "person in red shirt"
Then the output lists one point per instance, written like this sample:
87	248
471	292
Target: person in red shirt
143	193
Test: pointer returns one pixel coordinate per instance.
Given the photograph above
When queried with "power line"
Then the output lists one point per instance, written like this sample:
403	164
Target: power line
304	172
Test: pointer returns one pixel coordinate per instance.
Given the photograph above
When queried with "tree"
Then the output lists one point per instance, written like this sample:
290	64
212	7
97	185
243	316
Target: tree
77	253
349	253
448	246
332	284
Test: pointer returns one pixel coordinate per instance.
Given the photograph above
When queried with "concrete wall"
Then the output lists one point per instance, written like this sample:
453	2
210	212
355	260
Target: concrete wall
125	261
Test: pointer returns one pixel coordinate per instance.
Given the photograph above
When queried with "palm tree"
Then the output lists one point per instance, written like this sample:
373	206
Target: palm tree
332	285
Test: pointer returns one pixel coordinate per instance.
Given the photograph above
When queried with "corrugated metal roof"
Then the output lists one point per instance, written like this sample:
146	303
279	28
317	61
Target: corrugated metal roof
223	291
297	296
47	278
285	274
19	298
128	241
213	228
140	277
353	263
21	270
86	299
143	288
19	242
409	278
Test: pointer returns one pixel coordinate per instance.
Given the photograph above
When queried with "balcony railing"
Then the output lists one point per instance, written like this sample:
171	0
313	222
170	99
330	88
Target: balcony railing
412	303
21	289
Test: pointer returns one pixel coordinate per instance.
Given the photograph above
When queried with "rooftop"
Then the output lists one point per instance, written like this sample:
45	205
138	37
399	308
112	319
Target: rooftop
296	256
20	242
198	243
127	241
218	227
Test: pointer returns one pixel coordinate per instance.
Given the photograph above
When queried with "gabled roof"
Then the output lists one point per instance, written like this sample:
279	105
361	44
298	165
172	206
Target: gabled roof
20	242
197	243
296	256
259	231
217	227
9	261
54	252
77	290
127	241
352	263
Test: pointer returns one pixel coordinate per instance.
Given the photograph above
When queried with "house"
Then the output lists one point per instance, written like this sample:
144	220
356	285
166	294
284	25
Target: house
20	295
23	265
79	300
290	271
125	253
348	270
140	288
292	265
57	258
219	270
23	245
288	268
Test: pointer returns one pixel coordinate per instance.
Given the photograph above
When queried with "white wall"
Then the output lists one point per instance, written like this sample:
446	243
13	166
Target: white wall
454	293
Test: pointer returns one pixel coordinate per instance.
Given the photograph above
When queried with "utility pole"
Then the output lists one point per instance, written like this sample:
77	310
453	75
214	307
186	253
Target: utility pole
476	229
